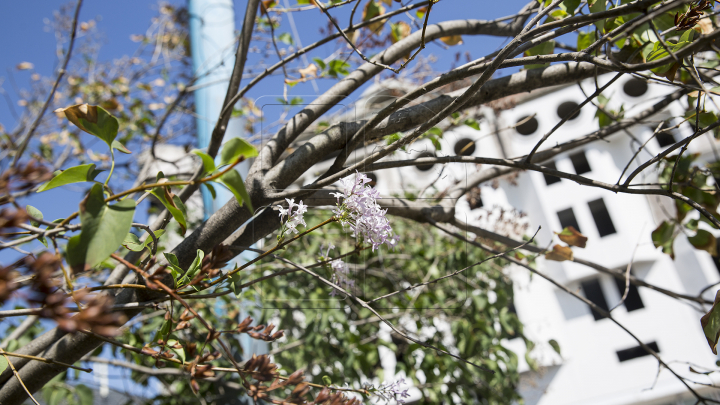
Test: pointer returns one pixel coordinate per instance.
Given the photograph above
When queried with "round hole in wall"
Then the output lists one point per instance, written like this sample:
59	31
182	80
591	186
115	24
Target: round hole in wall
526	125
635	87
464	147
565	110
425	167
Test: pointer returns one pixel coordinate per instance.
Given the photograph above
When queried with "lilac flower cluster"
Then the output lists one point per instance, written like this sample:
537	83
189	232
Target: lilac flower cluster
340	271
294	218
360	212
391	391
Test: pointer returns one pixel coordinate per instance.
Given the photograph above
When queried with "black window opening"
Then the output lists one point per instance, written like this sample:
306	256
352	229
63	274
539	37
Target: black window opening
464	147
637	351
425	167
567	218
373	179
566	109
549	178
580	163
716	259
632	301
526	125
635	87
666	137
594	293
602	217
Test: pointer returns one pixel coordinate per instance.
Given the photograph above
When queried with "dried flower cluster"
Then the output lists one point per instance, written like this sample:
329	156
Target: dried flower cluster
360	212
690	18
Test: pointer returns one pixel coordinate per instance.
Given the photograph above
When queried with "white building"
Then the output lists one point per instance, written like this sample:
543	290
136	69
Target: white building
600	363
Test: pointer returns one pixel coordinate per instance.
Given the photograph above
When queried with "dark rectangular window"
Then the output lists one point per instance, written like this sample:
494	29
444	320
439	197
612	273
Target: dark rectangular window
665	139
580	163
632	301
594	293
637	351
567	218
716	259
550	179
602	217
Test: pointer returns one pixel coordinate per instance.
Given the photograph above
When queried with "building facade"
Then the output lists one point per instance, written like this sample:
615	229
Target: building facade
599	362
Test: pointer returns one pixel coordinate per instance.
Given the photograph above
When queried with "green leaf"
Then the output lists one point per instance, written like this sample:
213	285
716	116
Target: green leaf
555	346
175	269
663	237
194	268
77	174
104	228
704	240
132	242
235	148
164	331
472	124
320	63
174	205
234	284
598	6
84	394
34	213
544	48
710	323
119	146
338	67
56	396
585	39
180	352
210	188
208	162
3	363
569	6
327	380
94	120
286	38
236	185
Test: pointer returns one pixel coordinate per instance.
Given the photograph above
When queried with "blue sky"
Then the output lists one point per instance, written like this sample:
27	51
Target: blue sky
22	25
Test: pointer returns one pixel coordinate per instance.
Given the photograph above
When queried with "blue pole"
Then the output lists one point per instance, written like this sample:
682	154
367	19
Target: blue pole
213	42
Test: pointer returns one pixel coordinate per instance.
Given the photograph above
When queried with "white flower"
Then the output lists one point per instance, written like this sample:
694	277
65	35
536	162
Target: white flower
294	218
340	272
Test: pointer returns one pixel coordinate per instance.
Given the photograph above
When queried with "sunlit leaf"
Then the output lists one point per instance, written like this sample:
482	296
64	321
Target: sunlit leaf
704	240
452	40
236	185
235	148
710	323
77	174
208	162
174	205
104	228
572	237
93	120
120	147
663	237
555	345
559	253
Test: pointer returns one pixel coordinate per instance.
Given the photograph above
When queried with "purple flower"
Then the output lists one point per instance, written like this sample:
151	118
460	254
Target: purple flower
360	212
